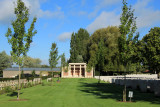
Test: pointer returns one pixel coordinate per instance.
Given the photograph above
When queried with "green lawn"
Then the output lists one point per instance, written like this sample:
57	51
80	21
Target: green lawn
78	93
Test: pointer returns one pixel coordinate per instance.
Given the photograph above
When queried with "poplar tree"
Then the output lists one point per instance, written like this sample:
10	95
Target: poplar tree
73	48
19	38
53	58
127	29
78	45
100	57
63	60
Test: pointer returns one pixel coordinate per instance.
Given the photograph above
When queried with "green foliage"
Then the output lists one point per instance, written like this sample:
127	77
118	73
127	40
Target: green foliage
127	29
19	38
78	45
5	61
44	66
31	62
103	49
63	60
80	59
8	89
151	49
53	57
64	63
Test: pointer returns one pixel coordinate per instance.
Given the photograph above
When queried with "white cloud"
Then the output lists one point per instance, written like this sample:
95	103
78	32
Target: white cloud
102	4
146	15
103	20
64	36
7	10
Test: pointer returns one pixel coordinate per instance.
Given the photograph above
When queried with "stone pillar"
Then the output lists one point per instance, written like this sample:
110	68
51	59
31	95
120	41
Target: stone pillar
74	71
80	72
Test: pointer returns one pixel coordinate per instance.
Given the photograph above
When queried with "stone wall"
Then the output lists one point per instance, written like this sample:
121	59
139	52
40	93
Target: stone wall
143	82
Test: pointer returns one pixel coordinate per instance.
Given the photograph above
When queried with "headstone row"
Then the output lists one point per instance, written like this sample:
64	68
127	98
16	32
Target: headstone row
143	84
14	83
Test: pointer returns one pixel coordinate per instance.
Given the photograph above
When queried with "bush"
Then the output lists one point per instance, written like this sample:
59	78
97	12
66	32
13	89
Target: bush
8	89
29	84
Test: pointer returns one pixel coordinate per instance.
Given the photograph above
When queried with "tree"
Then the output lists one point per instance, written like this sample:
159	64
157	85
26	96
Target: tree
63	60
19	38
73	53
53	57
100	57
78	45
109	38
83	37
5	61
31	62
127	29
151	49
44	66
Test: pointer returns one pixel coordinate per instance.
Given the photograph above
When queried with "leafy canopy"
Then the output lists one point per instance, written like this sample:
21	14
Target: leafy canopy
19	38
53	57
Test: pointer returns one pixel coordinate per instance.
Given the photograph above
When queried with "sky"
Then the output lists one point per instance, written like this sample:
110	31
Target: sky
58	19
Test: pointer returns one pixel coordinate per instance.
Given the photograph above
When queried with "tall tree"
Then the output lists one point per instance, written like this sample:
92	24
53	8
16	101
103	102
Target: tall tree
110	37
127	29
5	61
83	37
53	57
100	57
20	39
151	49
63	60
73	53
78	45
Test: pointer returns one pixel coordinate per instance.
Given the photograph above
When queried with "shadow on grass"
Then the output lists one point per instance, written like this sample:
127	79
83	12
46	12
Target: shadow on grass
13	94
113	91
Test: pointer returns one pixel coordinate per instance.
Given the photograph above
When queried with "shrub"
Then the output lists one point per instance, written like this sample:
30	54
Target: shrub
29	84
8	89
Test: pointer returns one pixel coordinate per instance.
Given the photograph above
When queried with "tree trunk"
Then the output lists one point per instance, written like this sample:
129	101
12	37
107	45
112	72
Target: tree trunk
52	78
124	90
19	84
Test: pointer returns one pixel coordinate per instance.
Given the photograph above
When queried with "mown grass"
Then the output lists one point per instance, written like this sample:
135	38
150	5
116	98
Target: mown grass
77	93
